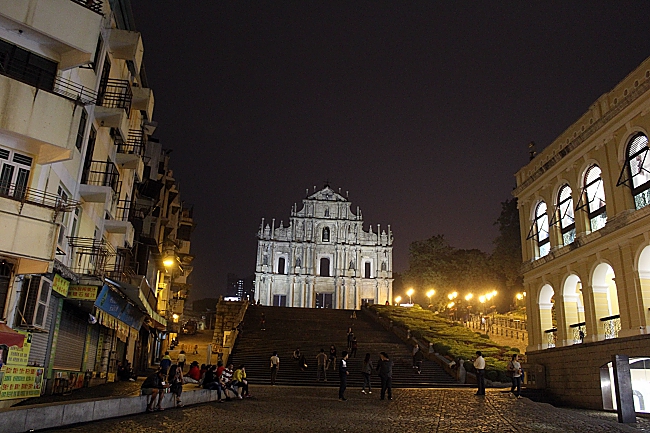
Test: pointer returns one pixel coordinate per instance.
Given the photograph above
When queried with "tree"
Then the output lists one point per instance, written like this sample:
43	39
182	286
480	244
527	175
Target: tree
506	258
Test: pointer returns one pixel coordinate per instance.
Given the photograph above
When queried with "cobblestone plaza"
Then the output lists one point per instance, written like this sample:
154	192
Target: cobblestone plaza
298	409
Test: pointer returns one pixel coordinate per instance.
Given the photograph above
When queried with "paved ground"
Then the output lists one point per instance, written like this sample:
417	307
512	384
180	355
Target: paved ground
299	409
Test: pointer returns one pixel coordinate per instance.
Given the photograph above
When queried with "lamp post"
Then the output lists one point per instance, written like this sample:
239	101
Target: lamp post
398	300
409	293
430	293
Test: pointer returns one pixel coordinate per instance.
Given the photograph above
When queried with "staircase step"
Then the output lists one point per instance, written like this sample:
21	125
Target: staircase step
313	329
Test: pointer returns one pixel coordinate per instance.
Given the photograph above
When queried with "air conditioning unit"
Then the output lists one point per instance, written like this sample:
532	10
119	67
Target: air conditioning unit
34	301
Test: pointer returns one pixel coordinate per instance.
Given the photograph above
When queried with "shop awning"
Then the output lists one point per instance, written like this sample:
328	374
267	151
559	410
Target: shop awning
10	337
137	296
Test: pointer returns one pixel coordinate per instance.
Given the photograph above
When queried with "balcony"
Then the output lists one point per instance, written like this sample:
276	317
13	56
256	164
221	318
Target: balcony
68	28
143	100
90	256
114	105
37	122
100	182
29	225
129	155
126	45
121	224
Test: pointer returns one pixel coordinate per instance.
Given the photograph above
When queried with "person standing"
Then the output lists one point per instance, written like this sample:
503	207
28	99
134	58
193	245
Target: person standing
196	349
343	375
321	362
385	369
418	358
165	362
263	322
479	365
175	378
350	337
275	366
366	370
353	347
515	367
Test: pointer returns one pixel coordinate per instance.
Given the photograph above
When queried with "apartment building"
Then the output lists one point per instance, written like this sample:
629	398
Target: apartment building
585	230
90	214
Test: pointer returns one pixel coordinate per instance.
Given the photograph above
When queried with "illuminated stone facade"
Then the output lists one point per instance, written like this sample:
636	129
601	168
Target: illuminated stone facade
324	258
585	230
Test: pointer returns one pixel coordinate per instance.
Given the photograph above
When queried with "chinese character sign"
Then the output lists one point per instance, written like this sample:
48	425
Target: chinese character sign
83	293
18	356
20	382
60	285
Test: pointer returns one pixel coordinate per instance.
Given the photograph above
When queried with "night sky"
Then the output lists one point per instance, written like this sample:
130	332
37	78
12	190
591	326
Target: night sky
421	110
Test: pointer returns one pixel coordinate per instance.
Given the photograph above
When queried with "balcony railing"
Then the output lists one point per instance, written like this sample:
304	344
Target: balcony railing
124	268
36	197
551	337
123	210
579	332
134	144
50	82
102	173
90	256
116	94
612	325
93	5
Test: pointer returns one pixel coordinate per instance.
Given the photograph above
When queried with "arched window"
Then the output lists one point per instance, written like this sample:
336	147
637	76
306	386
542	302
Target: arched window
281	265
566	215
324	267
637	165
594	196
539	230
326	234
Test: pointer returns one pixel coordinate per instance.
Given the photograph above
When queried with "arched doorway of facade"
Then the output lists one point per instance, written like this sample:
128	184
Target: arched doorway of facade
603	286
546	306
574	310
644	281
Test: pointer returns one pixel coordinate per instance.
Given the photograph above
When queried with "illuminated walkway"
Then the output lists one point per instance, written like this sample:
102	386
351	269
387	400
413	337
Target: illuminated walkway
299	409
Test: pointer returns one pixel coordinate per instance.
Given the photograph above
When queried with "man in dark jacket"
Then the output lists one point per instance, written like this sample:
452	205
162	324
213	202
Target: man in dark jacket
343	375
385	369
153	386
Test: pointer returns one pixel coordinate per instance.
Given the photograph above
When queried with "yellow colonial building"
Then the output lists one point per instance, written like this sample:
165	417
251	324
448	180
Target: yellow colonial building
585	230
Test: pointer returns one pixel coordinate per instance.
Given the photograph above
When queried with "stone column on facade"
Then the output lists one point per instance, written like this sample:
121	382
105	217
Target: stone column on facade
595	308
630	297
545	322
567	315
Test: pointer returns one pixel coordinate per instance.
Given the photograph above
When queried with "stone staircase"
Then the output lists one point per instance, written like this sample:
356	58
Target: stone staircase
313	329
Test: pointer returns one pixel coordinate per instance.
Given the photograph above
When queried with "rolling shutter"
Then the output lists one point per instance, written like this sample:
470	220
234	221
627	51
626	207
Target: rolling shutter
71	340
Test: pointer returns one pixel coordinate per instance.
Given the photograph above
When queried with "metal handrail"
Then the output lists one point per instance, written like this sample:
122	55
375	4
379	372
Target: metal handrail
115	94
102	173
37	197
93	5
134	144
44	80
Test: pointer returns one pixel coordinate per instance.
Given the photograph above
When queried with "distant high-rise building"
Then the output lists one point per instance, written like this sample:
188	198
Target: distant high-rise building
324	258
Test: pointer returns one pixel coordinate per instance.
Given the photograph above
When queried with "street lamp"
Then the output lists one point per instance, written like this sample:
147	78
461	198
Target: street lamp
430	293
398	300
410	293
469	297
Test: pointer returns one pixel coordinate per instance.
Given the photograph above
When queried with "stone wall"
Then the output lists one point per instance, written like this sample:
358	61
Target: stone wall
572	373
229	315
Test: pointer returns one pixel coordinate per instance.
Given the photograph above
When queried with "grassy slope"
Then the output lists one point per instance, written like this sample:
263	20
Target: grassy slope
447	337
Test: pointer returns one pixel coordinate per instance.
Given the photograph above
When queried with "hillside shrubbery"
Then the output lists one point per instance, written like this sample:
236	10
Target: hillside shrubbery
448	338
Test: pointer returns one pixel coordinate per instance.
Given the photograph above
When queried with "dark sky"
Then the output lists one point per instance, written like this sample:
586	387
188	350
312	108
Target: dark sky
421	110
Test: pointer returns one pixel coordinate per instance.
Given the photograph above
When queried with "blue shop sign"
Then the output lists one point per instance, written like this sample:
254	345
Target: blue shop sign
113	304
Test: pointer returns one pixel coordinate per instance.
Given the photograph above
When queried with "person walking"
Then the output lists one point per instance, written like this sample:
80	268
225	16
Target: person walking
385	369
479	365
332	357
196	349
263	322
275	366
366	370
343	375
418	358
321	362
515	368
165	362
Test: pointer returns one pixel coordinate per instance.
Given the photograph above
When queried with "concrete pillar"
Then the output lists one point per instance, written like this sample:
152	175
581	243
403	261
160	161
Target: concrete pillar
630	301
600	310
623	383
